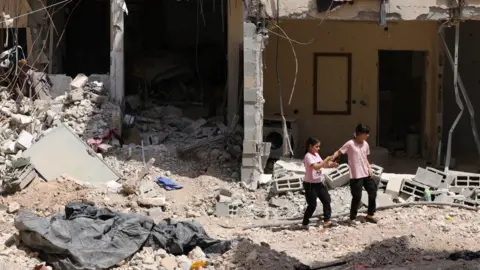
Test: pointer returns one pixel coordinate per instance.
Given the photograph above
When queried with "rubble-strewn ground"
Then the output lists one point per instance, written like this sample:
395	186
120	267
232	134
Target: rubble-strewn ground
406	238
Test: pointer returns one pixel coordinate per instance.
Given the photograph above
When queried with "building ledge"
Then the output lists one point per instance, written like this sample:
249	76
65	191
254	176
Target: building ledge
368	9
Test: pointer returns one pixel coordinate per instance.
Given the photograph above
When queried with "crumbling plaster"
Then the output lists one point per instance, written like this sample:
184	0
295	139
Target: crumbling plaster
368	10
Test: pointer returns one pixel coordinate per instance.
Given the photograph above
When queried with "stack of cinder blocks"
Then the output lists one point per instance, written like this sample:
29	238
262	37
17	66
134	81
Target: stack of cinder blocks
287	176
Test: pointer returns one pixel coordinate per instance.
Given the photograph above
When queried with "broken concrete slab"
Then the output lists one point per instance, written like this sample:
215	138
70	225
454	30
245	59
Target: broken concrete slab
428	178
382	199
447	178
79	81
288	165
444	198
394	185
61	151
60	84
76	95
24	140
21	180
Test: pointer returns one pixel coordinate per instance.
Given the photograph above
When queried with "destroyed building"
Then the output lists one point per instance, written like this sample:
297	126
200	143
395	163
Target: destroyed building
381	63
147	59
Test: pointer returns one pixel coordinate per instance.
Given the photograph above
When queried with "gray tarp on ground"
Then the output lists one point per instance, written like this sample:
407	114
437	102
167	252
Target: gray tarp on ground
88	238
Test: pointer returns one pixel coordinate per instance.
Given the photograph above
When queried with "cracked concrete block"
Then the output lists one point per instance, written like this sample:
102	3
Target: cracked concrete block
446	178
467	192
394	186
456	190
288	183
225	209
428	178
444	198
79	81
338	177
414	188
466	180
24	140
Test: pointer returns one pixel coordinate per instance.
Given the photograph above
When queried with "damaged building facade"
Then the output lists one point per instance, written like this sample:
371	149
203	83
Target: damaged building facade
334	63
381	63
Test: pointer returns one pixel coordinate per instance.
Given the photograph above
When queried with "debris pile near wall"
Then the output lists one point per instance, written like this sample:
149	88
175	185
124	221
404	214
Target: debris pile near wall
24	119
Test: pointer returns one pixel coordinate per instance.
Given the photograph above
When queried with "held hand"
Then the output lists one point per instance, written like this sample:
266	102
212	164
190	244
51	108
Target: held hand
371	172
333	164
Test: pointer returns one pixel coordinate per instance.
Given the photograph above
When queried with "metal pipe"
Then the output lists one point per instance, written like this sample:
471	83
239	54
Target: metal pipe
469	105
457	99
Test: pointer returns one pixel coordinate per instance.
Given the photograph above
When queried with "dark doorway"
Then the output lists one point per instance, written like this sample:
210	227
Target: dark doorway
87	38
401	110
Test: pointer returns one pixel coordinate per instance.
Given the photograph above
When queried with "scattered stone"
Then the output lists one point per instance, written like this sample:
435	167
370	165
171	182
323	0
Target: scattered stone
169	262
152	202
156	214
79	81
13	207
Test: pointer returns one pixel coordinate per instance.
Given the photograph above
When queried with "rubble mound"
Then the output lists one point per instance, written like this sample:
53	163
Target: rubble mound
45	198
248	255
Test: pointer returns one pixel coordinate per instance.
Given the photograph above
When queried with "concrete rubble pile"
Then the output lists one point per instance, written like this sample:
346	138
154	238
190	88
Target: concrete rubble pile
84	107
149	259
207	139
284	198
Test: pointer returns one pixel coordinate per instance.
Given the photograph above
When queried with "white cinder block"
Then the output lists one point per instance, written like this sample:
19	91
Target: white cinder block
338	177
394	186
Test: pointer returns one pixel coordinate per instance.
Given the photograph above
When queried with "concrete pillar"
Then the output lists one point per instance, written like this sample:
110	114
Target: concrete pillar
117	81
254	150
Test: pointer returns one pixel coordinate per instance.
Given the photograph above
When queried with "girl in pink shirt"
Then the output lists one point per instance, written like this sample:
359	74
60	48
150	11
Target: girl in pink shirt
361	173
314	183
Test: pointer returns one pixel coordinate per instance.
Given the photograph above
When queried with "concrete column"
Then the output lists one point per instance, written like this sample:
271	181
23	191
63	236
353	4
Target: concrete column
254	149
117	81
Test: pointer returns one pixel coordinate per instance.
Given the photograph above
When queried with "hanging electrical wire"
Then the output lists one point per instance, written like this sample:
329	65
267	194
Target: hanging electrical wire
287	147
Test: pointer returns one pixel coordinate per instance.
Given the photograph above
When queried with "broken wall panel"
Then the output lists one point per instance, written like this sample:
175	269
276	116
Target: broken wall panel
62	152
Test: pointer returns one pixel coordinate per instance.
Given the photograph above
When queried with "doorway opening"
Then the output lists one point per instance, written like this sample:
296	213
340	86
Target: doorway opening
176	55
401	106
87	38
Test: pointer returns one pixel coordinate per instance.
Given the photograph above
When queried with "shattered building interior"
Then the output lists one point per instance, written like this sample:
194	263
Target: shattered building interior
401	76
175	51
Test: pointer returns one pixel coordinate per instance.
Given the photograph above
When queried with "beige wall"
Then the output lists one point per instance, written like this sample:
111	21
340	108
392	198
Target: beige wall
362	40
